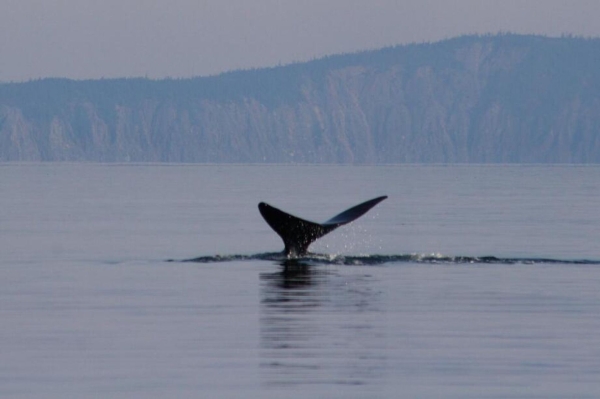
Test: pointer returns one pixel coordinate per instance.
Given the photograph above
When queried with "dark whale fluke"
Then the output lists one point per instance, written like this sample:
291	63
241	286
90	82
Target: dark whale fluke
297	234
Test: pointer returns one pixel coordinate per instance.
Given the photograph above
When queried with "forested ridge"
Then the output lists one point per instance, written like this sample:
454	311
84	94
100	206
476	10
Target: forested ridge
473	99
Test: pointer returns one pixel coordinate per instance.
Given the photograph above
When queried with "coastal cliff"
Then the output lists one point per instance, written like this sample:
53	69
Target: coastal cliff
472	99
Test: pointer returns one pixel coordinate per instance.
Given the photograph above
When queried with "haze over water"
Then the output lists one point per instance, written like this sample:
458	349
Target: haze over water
90	307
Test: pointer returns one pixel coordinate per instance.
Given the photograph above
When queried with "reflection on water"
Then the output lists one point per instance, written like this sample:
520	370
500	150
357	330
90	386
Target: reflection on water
319	325
294	274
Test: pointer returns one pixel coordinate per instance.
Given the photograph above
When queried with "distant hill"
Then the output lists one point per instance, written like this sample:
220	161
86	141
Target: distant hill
473	99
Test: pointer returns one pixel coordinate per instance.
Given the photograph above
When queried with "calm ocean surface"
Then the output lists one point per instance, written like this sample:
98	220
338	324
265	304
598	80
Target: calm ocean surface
467	282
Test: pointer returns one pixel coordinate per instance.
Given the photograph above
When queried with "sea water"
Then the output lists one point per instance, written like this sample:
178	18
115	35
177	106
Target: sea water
467	282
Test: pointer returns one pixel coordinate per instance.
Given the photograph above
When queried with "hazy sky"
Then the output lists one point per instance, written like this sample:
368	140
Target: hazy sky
179	38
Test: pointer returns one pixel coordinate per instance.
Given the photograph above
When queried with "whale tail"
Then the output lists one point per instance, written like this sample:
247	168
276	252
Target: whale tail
297	234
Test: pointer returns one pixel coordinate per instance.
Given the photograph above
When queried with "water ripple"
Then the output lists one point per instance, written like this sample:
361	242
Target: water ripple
376	259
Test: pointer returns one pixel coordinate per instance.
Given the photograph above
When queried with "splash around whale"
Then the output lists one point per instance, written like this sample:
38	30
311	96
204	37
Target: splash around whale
313	259
297	235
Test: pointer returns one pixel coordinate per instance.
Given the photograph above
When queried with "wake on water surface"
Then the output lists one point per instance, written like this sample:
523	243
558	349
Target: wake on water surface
297	234
324	259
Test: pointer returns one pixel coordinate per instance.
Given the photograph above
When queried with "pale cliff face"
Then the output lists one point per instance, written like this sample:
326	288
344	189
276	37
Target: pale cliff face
473	99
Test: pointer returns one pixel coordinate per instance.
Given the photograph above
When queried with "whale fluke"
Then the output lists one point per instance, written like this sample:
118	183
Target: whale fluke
297	234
